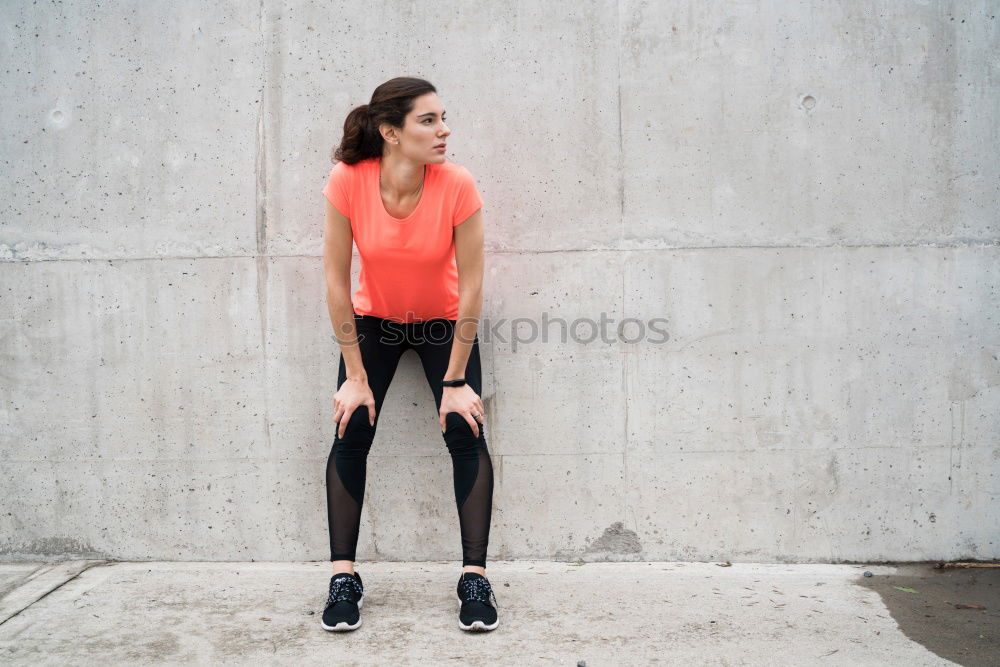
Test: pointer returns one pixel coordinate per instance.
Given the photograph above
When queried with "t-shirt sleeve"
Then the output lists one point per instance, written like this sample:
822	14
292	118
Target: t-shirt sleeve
467	200
337	189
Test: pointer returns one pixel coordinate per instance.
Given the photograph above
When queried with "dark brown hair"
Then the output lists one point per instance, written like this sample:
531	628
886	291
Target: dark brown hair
389	104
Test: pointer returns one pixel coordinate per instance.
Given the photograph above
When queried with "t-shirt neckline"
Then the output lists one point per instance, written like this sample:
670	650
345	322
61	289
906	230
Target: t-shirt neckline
378	193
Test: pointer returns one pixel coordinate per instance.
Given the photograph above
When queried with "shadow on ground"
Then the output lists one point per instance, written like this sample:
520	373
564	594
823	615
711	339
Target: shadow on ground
928	614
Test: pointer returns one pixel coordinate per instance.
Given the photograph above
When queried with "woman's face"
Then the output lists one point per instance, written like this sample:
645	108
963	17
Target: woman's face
424	131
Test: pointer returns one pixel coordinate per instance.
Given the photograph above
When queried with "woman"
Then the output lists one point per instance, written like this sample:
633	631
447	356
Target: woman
417	223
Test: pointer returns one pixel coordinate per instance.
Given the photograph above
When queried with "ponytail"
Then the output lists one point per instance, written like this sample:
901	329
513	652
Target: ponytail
390	103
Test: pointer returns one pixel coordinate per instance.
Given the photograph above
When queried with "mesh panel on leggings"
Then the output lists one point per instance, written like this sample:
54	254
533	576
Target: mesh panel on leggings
473	473
347	461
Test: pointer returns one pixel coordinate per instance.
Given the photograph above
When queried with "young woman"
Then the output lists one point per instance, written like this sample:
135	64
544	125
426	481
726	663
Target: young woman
417	223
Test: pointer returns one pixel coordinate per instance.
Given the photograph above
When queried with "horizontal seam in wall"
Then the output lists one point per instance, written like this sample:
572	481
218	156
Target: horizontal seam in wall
445	455
975	244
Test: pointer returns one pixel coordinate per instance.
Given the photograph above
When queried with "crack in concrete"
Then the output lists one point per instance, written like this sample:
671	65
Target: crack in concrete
49	592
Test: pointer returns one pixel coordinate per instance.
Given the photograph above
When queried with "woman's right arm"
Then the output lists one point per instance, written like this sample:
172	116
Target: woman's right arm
337	245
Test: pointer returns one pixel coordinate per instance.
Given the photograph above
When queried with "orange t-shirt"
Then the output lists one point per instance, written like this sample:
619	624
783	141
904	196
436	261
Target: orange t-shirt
408	269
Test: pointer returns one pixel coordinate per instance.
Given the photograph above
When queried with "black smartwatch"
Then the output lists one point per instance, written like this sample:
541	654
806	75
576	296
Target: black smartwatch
453	383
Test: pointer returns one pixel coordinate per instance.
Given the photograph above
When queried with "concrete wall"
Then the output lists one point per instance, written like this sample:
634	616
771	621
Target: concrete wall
806	193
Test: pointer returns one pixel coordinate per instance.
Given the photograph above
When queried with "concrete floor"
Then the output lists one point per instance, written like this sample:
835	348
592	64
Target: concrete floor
109	613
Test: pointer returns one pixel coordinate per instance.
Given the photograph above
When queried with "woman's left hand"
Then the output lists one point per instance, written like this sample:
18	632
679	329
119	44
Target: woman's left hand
465	402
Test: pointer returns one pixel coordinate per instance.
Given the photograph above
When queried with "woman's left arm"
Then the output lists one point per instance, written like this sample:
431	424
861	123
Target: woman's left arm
469	259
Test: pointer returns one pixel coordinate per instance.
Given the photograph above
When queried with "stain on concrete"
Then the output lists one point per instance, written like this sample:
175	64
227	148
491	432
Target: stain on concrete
51	546
616	539
131	647
972	374
929	617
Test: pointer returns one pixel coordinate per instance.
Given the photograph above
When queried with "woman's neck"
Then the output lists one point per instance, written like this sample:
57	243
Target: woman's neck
400	178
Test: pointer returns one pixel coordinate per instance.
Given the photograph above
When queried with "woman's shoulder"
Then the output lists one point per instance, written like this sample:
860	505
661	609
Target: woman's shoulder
351	176
452	172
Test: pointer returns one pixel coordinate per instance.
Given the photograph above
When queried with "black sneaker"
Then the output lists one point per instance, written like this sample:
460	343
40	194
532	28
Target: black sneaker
476	612
343	607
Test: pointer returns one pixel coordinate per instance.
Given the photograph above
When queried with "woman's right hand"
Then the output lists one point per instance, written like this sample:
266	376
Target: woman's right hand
354	393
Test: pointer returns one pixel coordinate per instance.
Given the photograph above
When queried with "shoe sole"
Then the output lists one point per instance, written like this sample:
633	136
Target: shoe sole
344	626
476	626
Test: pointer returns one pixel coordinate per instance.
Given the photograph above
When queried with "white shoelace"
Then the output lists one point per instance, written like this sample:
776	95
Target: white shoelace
342	589
478	589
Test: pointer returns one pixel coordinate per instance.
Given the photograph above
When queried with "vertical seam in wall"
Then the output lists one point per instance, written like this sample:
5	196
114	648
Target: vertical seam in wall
261	221
625	393
623	265
621	146
504	551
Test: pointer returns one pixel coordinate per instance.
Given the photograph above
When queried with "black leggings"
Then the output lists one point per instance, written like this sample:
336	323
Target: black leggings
382	342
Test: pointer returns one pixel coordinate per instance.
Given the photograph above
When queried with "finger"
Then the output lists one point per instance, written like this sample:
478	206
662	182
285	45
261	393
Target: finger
337	415
473	424
441	421
346	418
371	411
482	407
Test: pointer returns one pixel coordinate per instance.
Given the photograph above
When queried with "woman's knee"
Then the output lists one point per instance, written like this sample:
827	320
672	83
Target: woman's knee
359	432
457	430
